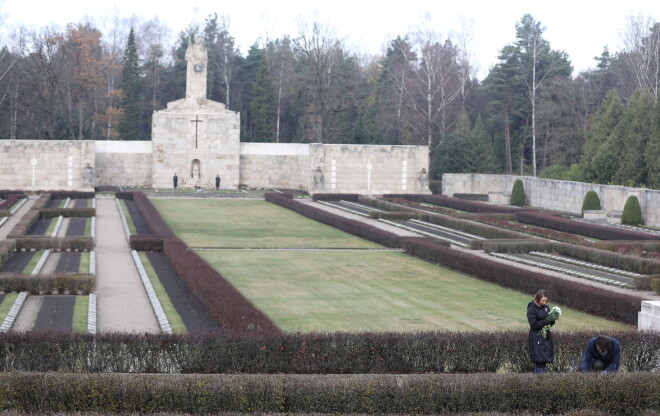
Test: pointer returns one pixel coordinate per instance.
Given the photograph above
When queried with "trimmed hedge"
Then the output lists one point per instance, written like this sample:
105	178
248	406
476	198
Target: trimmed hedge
226	304
354	227
7	250
435	187
621	394
71	194
472	197
632	212
9	201
591	202
42	242
24	224
335	197
41	202
518	193
67	212
470	206
47	283
601	232
146	242
607	258
154	221
311	353
583	297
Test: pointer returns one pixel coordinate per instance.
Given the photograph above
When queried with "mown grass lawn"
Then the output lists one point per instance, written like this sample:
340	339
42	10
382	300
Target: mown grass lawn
238	223
376	291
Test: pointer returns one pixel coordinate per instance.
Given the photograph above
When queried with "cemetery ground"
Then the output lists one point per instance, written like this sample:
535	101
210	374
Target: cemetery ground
307	276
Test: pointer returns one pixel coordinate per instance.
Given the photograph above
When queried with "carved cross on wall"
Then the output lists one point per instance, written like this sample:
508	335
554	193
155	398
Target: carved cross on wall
196	121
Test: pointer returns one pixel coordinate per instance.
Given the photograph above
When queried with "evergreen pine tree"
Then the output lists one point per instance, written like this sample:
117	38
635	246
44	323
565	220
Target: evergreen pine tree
263	104
129	126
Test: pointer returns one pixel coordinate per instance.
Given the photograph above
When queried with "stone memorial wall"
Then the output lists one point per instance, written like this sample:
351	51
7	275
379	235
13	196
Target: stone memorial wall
47	164
564	196
123	163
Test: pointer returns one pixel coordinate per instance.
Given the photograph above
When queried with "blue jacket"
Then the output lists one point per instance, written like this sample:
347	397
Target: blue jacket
611	358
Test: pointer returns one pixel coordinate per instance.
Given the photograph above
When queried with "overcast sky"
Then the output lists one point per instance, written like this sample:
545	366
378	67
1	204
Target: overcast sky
580	28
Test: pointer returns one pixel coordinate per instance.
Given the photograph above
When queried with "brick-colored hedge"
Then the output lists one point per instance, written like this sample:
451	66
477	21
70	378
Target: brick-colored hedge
9	201
71	194
24	224
225	303
147	242
620	394
465	205
587	298
354	227
47	283
601	232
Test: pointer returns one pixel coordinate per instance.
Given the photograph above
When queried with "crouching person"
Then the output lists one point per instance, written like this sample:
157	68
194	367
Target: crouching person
602	354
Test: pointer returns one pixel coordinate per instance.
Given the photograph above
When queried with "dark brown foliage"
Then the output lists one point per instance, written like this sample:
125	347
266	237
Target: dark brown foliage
336	197
42	242
601	232
465	205
67	212
226	304
71	194
146	243
47	283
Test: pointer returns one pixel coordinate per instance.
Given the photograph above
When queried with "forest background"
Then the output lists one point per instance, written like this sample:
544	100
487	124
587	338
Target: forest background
529	115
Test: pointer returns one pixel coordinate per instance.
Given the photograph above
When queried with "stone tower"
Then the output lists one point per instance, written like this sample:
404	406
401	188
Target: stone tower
196	138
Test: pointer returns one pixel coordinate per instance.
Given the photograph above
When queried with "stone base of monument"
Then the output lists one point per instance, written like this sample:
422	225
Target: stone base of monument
648	319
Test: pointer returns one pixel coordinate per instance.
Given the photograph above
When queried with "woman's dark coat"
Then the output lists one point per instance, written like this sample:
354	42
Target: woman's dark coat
540	348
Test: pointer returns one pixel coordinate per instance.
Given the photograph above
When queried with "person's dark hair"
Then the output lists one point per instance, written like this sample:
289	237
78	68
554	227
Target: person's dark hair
603	343
540	294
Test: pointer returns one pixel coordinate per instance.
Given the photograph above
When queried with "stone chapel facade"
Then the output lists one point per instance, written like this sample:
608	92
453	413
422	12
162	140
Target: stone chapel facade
198	140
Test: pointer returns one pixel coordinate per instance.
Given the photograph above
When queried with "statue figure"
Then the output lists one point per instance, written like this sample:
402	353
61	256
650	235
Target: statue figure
195	172
175	179
423	179
196	57
318	178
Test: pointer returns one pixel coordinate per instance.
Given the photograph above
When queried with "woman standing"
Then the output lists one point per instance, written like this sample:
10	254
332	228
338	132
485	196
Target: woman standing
540	347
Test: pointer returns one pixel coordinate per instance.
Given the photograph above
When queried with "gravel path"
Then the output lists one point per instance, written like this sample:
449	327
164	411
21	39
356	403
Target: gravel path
122	302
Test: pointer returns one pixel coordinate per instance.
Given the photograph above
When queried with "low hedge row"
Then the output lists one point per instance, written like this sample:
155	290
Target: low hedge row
42	242
466	205
638	248
47	283
24	224
146	242
621	394
354	227
151	215
607	258
472	197
335	197
41	202
320	353
9	201
7	250
601	232
5	193
226	304
587	298
67	212
71	194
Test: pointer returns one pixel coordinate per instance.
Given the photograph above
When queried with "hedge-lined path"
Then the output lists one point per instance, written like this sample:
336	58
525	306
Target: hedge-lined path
122	302
646	294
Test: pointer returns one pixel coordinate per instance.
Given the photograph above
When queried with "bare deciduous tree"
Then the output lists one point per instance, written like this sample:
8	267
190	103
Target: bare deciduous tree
641	52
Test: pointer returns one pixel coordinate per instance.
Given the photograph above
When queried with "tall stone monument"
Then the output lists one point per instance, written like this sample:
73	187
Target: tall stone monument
196	138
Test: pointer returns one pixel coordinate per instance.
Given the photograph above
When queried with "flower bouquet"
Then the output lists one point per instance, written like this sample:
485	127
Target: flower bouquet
553	316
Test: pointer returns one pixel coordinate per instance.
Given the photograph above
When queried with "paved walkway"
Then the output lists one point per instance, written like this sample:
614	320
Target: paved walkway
122	302
11	222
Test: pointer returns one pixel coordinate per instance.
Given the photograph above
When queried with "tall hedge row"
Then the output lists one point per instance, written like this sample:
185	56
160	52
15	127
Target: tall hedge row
309	353
354	227
587	298
149	212
226	304
621	394
601	232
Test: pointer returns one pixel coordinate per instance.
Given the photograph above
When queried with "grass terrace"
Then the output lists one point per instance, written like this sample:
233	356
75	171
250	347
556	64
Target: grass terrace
307	276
